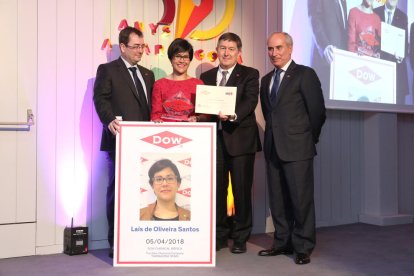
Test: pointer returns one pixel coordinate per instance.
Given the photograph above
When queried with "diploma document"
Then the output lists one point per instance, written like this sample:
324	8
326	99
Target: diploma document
392	40
214	99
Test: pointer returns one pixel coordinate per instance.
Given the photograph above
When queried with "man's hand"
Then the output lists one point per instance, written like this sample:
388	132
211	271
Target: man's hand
328	53
223	117
114	127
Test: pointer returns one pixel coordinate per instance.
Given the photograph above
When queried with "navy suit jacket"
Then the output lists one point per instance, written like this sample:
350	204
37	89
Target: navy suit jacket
294	122
242	135
115	94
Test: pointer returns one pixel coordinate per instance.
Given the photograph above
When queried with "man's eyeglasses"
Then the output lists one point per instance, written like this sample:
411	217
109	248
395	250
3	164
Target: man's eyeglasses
136	47
182	57
169	179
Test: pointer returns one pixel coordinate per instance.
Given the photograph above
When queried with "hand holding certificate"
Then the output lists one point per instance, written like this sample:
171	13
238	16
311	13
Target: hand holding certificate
214	99
392	40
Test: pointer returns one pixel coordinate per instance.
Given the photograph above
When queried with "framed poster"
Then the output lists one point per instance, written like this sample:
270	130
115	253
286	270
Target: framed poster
165	194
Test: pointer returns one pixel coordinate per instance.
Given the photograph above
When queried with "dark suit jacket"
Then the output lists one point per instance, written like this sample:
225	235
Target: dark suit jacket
412	47
242	135
399	20
294	123
328	29
115	94
327	24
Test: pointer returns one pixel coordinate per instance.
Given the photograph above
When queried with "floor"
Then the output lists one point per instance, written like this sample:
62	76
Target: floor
355	249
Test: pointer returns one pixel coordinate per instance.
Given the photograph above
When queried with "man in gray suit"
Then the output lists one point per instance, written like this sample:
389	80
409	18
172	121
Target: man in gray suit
122	90
294	110
329	23
392	15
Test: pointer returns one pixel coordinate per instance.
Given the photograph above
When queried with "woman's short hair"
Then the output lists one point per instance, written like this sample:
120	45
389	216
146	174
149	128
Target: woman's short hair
159	166
180	45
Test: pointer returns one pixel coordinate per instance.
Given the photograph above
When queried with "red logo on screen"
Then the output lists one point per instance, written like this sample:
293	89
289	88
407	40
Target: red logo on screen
185	192
186	162
166	139
365	75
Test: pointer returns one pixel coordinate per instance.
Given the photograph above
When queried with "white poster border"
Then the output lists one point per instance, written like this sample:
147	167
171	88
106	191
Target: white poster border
142	242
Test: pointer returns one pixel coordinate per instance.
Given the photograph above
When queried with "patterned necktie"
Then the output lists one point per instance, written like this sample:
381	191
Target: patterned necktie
275	86
389	17
140	89
223	79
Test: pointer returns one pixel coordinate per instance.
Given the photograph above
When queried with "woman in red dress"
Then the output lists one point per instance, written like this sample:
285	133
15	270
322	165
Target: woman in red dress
173	97
364	30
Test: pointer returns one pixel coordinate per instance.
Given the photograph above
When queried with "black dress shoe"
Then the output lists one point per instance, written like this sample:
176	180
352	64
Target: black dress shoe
275	251
238	248
302	258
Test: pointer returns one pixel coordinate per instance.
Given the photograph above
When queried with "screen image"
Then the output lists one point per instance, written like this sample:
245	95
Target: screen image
360	50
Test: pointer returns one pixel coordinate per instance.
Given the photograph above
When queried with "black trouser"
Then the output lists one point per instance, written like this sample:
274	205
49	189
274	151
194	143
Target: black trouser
241	169
110	197
292	203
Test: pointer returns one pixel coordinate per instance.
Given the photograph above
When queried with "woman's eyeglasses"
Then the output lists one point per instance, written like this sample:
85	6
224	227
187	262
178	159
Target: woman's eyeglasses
169	179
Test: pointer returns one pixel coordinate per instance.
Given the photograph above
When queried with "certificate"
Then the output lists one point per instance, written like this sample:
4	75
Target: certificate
214	99
392	40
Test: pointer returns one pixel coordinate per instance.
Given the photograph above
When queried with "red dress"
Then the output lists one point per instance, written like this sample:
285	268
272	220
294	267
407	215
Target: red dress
173	100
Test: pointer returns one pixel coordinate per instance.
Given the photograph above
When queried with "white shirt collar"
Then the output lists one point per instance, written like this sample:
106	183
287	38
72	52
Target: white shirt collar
284	68
228	70
127	64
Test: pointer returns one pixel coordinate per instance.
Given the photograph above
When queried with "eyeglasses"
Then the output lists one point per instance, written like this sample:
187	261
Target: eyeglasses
170	179
181	57
136	47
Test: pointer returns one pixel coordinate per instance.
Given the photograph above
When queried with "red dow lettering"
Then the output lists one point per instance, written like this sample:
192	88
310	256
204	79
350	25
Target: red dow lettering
185	192
166	139
365	75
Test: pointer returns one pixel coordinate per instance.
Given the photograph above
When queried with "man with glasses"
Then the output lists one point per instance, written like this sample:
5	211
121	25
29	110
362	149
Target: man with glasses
122	91
237	143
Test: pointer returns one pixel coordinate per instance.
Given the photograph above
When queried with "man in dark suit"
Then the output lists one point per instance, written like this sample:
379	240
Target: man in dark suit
237	142
392	15
294	111
329	23
122	90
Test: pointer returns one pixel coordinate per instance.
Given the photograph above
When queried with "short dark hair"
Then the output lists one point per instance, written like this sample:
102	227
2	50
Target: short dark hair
123	37
180	45
231	37
159	166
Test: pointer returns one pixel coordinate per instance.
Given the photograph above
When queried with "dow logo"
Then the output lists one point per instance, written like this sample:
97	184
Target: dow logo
166	139
185	192
365	75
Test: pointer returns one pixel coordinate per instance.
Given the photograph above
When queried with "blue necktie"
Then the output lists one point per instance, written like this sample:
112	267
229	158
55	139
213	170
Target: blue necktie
275	86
